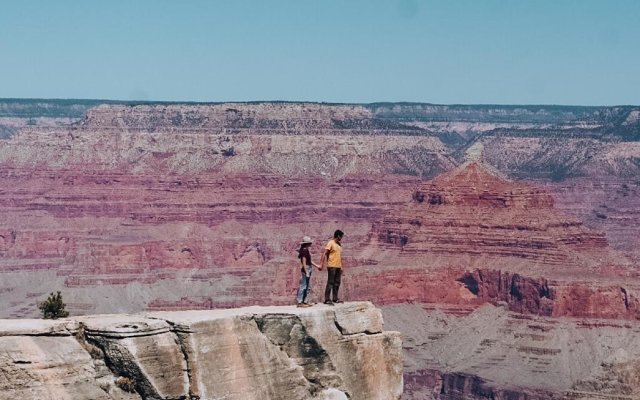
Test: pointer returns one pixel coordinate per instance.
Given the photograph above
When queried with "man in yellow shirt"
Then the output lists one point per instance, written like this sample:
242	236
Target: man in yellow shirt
333	257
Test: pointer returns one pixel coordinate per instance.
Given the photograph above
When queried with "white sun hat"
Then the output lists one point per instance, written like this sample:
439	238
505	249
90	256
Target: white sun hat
306	239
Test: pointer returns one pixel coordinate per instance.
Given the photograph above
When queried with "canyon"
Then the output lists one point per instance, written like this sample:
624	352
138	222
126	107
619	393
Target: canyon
455	216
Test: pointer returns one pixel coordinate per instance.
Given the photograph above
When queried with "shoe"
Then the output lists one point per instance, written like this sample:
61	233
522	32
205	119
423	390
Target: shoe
309	303
338	301
328	302
302	305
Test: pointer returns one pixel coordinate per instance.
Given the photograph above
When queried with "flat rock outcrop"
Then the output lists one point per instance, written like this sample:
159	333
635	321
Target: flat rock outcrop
322	352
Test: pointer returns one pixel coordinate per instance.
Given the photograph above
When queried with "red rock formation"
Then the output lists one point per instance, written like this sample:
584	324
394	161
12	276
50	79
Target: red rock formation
457	386
119	229
472	211
194	206
174	194
471	236
610	205
590	299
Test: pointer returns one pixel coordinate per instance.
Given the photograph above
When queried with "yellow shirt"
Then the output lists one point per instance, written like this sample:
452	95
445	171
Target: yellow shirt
335	254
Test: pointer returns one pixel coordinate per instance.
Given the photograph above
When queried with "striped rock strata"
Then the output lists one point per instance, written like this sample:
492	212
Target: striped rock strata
494	354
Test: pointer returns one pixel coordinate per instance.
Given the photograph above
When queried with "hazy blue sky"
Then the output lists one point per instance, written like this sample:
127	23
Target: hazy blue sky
448	51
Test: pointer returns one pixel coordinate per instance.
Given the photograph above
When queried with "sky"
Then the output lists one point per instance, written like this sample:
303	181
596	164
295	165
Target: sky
579	52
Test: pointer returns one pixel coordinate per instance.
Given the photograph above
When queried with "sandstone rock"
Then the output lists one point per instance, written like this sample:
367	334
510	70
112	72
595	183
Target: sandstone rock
51	367
377	362
250	353
37	327
246	366
332	394
353	318
364	362
143	350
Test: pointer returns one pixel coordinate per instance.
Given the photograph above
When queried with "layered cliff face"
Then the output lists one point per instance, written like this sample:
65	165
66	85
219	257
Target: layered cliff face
256	118
173	206
16	114
328	353
125	243
466	237
593	178
492	353
471	236
606	205
473	211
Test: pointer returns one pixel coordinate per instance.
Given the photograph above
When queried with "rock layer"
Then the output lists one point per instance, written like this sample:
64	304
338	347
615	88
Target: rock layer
177	206
184	199
473	211
250	353
492	353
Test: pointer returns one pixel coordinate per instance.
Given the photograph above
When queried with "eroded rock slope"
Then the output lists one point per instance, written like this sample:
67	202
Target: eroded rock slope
492	353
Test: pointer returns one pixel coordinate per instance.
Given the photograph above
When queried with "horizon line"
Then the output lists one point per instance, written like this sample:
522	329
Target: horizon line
375	103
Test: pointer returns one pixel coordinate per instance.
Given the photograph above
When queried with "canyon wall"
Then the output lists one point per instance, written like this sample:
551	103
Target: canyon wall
175	205
260	353
155	207
492	353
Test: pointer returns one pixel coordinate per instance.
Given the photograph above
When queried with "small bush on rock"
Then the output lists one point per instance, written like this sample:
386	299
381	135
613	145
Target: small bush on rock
126	384
53	307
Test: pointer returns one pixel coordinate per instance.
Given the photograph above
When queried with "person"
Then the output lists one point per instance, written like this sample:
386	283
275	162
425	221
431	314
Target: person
304	256
333	257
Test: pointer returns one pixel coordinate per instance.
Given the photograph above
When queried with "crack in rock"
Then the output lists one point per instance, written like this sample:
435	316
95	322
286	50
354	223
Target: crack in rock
291	336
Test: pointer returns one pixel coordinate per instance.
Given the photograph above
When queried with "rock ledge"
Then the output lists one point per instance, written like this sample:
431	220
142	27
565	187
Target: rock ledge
320	352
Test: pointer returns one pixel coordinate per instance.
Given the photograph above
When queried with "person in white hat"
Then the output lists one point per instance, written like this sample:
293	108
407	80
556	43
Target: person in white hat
304	256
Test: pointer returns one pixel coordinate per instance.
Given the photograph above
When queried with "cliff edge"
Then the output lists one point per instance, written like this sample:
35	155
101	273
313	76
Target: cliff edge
255	352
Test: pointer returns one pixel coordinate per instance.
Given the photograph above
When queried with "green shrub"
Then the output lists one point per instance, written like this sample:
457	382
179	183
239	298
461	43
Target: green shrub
53	307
